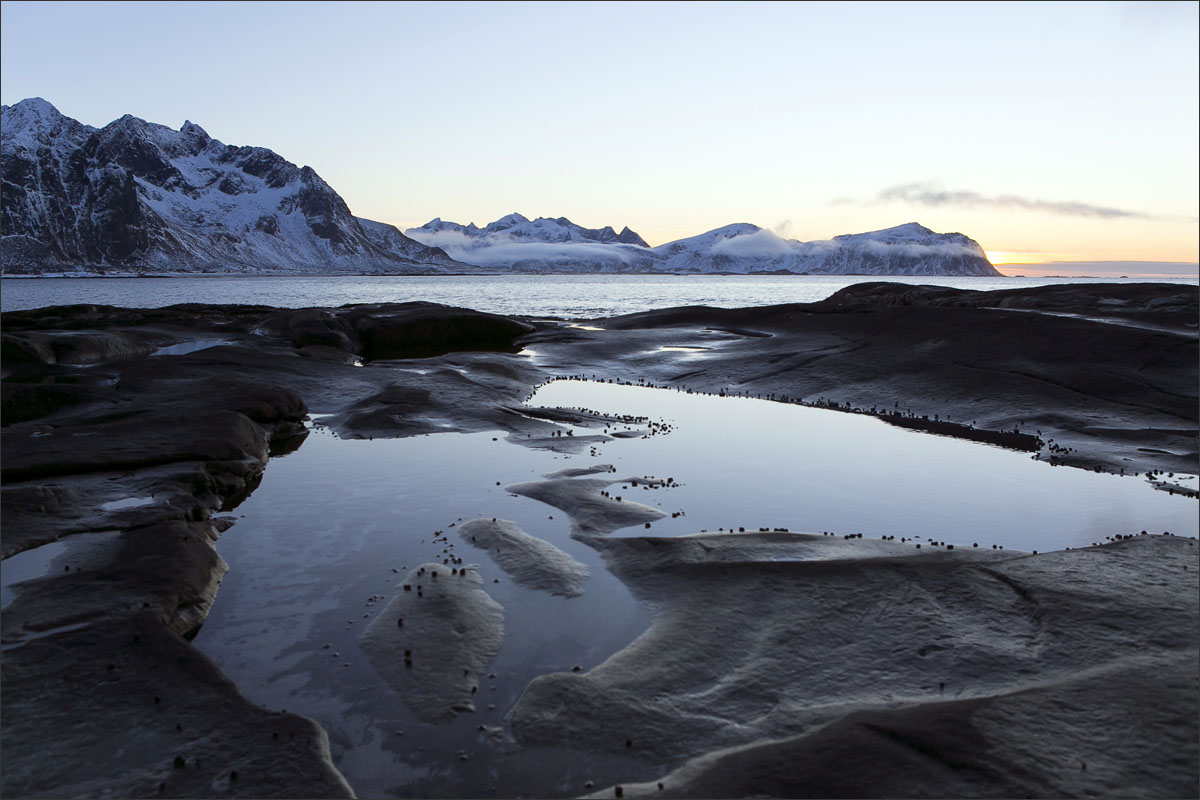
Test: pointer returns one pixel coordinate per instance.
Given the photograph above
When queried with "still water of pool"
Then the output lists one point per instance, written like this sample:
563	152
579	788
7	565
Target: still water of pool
323	544
752	463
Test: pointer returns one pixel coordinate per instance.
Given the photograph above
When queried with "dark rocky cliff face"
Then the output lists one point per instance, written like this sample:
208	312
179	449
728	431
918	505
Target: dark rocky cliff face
136	196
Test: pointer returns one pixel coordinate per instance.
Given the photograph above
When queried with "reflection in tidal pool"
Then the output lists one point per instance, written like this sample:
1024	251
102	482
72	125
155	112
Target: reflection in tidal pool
322	544
753	463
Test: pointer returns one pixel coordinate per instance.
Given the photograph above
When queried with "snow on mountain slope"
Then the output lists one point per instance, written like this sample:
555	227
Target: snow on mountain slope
557	245
911	247
137	196
539	245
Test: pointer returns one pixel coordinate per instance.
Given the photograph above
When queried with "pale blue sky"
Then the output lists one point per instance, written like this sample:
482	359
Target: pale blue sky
1056	131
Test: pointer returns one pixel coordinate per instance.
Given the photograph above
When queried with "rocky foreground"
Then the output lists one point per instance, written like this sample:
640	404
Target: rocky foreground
870	672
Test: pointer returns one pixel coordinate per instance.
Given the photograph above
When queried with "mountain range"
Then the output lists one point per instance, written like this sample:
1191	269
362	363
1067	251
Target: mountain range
558	245
138	197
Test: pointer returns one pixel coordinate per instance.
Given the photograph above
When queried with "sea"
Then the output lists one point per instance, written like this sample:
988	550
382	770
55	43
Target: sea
552	296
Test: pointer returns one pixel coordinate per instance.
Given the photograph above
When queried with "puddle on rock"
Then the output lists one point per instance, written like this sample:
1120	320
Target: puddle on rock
25	566
69	552
183	348
128	502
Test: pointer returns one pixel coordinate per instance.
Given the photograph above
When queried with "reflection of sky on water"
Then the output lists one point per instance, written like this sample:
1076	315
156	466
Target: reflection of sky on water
73	552
753	463
322	534
183	348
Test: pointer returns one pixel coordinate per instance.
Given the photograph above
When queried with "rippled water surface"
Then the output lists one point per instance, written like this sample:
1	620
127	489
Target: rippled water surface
566	296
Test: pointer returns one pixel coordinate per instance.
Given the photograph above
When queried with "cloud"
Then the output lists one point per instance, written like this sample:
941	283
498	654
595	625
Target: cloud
883	249
916	250
455	243
760	244
783	228
500	250
928	195
501	254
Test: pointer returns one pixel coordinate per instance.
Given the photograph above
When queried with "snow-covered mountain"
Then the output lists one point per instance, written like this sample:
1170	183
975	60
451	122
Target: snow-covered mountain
540	245
515	227
558	245
135	196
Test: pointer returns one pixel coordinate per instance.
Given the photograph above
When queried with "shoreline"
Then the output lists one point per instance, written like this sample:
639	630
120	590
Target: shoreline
198	429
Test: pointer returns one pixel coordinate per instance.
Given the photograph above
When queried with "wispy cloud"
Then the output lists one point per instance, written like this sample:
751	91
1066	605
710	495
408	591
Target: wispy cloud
928	194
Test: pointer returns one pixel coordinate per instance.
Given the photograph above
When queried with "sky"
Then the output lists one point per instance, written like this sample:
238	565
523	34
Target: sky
1054	134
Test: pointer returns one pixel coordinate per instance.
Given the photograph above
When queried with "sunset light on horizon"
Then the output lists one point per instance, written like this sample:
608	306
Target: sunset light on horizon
1059	132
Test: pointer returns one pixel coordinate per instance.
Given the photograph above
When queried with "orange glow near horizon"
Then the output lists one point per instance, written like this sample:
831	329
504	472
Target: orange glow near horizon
1099	269
998	257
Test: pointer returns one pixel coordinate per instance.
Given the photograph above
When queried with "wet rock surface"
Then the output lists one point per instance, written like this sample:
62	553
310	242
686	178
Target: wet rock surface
594	511
106	442
92	417
803	666
434	640
528	560
1114	396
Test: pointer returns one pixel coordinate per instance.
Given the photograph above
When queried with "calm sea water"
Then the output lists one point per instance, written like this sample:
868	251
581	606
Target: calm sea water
566	296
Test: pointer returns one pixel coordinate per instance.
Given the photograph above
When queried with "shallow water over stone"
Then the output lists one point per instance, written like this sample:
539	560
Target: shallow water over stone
751	463
183	348
326	541
62	555
26	566
311	564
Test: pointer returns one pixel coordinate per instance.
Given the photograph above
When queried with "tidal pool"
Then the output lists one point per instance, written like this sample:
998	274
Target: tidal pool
326	540
751	463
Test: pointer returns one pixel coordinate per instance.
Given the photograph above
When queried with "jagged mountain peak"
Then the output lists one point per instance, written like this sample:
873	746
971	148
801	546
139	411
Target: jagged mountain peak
139	196
517	228
628	236
33	108
142	196
33	122
191	129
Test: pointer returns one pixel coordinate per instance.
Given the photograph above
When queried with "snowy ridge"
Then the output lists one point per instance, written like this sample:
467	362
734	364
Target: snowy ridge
136	196
554	245
544	244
